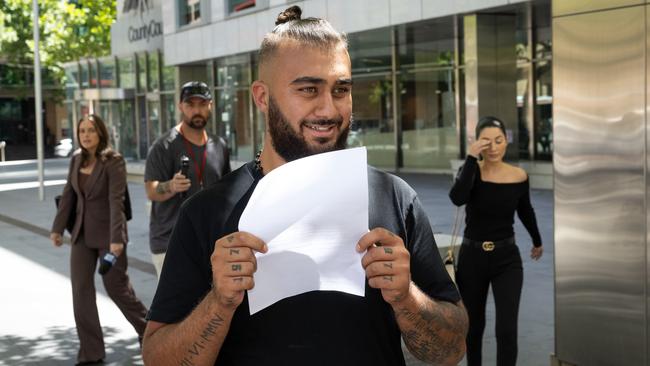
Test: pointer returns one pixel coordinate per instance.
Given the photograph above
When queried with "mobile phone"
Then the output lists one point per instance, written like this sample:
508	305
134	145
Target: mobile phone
185	165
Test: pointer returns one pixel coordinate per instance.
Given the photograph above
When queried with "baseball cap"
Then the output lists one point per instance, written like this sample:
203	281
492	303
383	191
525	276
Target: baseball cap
195	89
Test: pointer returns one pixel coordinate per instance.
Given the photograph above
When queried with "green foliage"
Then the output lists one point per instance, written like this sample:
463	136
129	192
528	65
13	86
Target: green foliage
69	30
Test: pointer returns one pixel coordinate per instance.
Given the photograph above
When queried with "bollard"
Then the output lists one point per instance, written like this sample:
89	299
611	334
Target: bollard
2	150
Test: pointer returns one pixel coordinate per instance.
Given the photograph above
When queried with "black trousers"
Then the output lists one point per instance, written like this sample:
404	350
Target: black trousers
476	271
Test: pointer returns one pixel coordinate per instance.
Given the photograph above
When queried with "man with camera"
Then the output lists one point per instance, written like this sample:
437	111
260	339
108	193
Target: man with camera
181	162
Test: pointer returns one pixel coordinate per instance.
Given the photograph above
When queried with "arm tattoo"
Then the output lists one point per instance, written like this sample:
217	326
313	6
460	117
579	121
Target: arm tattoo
204	338
163	188
435	332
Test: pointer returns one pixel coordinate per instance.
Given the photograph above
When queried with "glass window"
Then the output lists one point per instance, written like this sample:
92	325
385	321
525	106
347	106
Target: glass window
233	115
373	125
370	51
107	73
84	74
128	141
71	80
155	129
523	108
168	78
235	6
428	116
142	72
154	76
127	73
169	111
543	111
542	30
190	11
92	73
233	71
426	44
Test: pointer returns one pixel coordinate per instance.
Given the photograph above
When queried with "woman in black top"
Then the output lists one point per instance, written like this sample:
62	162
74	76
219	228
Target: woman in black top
492	191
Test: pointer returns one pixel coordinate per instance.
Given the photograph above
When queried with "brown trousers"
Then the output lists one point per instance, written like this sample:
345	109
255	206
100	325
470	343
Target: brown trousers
83	263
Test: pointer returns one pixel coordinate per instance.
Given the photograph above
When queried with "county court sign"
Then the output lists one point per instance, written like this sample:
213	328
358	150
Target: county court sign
138	29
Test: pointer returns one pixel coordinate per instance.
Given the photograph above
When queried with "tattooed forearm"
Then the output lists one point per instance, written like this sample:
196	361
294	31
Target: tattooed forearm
435	332
204	338
163	188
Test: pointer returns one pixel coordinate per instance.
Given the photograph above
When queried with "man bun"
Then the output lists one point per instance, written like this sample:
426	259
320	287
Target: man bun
292	13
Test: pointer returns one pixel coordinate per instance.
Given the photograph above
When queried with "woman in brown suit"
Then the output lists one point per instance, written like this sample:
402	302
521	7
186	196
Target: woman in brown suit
96	188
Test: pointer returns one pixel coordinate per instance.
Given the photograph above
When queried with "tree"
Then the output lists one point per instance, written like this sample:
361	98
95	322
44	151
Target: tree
69	30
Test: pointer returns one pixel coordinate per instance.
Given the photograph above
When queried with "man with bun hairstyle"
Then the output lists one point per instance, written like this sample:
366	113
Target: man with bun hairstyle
200	313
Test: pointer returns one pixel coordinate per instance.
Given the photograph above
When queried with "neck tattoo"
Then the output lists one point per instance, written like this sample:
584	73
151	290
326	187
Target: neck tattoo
258	161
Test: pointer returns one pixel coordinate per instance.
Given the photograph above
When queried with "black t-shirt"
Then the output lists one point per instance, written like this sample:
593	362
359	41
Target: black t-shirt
315	328
490	210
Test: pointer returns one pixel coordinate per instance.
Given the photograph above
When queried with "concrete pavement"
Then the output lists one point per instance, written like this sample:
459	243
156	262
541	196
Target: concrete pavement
36	322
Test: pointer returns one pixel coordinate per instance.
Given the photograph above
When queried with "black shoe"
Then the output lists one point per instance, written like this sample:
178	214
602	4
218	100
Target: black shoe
90	363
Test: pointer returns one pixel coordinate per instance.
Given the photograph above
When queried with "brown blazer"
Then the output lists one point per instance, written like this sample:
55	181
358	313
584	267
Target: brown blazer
100	208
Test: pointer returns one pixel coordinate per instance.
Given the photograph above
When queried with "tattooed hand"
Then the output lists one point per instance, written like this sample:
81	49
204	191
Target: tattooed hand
387	264
233	264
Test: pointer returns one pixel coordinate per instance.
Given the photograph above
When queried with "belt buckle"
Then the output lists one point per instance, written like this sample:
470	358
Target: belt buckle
488	246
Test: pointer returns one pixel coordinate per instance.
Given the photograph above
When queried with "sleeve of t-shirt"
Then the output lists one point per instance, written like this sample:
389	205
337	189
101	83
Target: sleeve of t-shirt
182	283
427	270
159	166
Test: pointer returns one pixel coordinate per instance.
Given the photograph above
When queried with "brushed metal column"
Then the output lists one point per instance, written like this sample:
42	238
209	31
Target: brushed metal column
599	68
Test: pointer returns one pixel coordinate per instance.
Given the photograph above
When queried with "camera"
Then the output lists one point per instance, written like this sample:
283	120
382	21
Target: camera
106	263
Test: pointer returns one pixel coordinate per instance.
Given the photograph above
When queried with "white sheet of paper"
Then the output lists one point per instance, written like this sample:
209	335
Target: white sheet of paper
311	212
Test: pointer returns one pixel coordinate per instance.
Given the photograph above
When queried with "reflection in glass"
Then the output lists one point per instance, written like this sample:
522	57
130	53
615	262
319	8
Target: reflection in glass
370	51
126	127
233	114
523	107
169	112
428	119
84	74
71	80
153	72
127	73
92	74
373	119
107	73
426	44
155	129
142	72
544	111
168	78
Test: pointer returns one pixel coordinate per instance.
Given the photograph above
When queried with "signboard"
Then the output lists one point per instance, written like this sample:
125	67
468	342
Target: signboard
141	31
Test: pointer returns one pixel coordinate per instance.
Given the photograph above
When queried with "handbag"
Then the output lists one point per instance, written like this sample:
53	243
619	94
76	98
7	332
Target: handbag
69	225
450	258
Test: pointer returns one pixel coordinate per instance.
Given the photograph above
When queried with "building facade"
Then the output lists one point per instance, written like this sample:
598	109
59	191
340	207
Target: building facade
423	72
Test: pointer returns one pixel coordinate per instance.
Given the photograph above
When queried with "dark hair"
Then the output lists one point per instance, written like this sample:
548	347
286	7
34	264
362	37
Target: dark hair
489	121
104	150
313	32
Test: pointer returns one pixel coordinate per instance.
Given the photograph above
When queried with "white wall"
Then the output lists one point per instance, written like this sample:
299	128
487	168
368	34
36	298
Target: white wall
239	34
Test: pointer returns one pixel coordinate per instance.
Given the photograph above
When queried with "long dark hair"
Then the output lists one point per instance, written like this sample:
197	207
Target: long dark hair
104	150
489	121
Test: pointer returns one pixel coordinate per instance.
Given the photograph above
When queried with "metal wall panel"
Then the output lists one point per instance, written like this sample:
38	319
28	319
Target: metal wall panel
565	7
600	214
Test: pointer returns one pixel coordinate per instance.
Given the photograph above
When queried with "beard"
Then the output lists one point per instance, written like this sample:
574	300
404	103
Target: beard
291	145
197	121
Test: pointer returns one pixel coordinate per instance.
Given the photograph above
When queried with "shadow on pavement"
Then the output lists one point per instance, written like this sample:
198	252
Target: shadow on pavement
59	346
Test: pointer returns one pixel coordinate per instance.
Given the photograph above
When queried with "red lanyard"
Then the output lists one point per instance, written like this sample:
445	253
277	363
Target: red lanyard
190	152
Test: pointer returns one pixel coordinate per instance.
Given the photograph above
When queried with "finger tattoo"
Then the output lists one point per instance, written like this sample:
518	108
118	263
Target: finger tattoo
389	264
388	250
388	278
230	238
234	251
236	267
